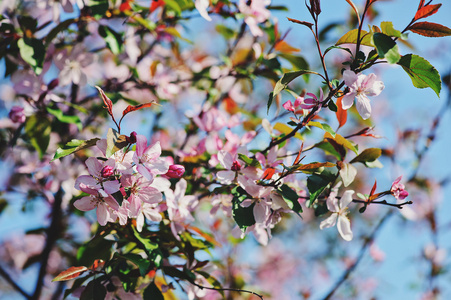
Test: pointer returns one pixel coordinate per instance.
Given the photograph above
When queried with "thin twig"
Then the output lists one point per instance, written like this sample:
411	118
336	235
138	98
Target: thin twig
8	279
352	267
227	289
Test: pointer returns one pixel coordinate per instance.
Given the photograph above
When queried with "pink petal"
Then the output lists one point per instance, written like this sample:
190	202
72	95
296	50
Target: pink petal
226	159
85	203
260	212
225	177
329	222
348	100
349	77
346	199
363	106
102	214
344	228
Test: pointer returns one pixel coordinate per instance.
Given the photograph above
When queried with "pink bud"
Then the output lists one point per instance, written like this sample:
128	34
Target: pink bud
175	171
132	138
236	166
17	115
107	171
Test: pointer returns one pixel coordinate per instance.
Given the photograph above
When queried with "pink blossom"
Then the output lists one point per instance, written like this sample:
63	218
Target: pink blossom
97	180
17	114
73	65
211	120
255	12
360	87
180	206
339	212
231	164
148	211
175	171
147	158
398	189
140	191
104	205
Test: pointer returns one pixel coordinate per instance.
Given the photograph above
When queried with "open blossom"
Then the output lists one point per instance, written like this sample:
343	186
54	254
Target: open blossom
147	158
360	87
232	165
339	211
398	189
105	206
73	65
255	12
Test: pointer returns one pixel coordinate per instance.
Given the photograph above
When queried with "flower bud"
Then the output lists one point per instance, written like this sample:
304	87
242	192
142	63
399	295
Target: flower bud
236	166
17	115
175	171
132	138
107	171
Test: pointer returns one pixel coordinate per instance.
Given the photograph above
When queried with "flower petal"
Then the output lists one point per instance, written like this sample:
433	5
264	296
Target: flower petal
329	222
363	106
348	100
344	228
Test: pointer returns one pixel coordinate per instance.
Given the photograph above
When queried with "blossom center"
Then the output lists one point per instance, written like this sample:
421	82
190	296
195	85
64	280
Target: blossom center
236	166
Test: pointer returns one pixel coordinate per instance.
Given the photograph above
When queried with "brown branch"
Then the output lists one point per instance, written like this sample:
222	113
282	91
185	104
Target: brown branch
399	205
53	233
227	289
352	267
8	279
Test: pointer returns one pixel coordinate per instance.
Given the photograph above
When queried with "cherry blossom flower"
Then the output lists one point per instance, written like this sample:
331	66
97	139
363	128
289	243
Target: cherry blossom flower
255	13
339	212
140	191
73	65
202	6
180	207
398	189
104	205
175	171
100	178
148	211
17	114
360	87
232	165
147	158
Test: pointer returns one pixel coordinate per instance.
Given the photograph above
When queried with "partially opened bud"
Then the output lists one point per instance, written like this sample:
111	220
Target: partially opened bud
175	171
17	114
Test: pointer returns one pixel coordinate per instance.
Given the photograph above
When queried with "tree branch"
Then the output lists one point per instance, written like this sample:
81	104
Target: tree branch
352	267
8	279
227	289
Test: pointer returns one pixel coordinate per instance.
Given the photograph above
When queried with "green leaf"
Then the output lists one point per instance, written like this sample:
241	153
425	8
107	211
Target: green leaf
298	62
243	216
98	7
225	31
38	129
112	38
284	81
351	38
33	52
57	29
115	142
95	290
323	126
316	184
97	248
74	146
248	161
367	155
58	113
213	281
388	29
422	73
291	198
172	4
386	47
141	263
152	292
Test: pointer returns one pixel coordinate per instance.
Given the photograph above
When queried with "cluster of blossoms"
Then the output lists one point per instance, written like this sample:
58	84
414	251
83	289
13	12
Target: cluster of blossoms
130	184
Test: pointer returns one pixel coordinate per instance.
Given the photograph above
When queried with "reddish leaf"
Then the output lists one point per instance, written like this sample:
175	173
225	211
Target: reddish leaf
284	47
107	101
97	265
313	166
309	25
374	188
427	11
71	273
155	4
131	108
421	4
342	114
430	29
268	173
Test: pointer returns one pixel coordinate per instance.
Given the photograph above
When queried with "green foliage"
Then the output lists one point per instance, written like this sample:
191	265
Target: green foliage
243	216
38	129
60	116
291	198
386	48
152	292
422	73
112	38
74	146
317	183
32	51
94	290
97	248
367	155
